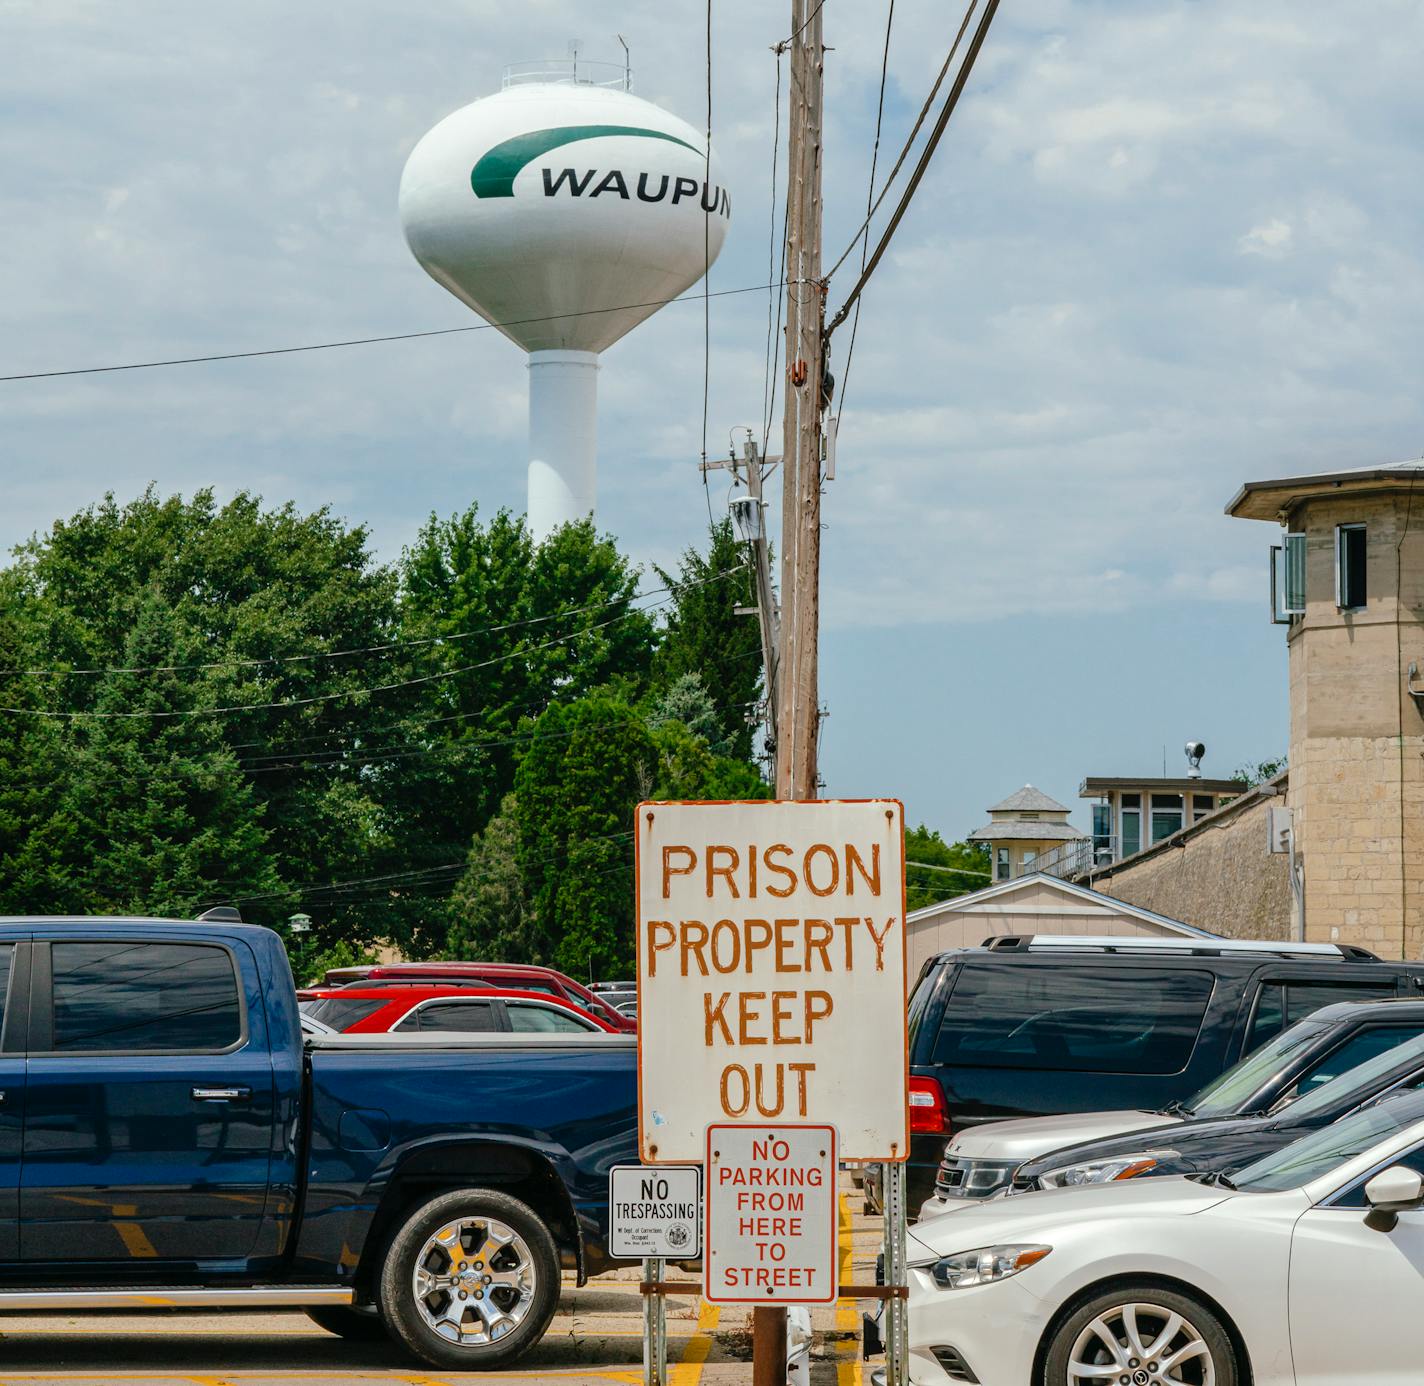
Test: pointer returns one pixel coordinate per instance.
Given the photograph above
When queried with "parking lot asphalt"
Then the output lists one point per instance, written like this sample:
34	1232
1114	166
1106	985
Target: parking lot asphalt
595	1337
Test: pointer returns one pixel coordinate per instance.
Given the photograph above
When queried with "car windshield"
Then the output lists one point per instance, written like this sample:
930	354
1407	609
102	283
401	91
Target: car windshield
1357	1080
1318	1153
1233	1091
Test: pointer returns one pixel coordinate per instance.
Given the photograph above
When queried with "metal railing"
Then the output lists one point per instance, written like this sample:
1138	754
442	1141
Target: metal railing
1071	859
570	71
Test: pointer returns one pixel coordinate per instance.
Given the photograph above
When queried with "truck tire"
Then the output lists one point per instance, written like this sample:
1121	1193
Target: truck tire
470	1281
355	1325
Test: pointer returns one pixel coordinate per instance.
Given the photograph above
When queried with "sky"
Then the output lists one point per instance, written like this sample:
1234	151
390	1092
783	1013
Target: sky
1167	246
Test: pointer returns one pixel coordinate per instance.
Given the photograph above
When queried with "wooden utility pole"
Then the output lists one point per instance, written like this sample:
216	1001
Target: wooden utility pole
798	713
798	706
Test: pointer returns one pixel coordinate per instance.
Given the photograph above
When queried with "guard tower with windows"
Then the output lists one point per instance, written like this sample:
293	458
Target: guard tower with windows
1347	584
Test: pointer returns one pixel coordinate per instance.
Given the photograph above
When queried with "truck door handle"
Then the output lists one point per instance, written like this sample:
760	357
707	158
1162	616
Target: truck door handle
221	1094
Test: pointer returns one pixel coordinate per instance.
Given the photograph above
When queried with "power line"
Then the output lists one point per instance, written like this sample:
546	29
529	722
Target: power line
368	341
786	42
954	870
314	888
67	714
537	704
870	193
910	139
931	144
354	758
366	649
357	759
294	761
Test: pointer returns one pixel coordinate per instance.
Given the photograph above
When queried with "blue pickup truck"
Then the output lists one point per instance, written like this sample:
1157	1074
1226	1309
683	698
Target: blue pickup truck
168	1137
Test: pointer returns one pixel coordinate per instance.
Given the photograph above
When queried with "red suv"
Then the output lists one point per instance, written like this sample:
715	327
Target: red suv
521	976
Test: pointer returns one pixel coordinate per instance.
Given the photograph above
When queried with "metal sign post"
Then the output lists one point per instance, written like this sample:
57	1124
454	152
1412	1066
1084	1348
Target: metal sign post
897	1311
654	1214
655	1364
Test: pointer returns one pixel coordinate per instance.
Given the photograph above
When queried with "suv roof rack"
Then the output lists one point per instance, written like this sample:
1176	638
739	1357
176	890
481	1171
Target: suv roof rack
1199	947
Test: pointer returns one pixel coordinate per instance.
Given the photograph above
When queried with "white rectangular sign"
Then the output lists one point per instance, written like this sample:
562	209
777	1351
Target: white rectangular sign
771	1215
655	1212
771	972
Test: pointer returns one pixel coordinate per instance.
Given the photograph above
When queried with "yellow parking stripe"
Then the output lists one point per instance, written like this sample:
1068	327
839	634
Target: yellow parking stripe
847	1317
688	1372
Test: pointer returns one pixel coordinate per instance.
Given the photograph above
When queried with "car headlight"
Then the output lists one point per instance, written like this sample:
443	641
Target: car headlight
1104	1171
984	1265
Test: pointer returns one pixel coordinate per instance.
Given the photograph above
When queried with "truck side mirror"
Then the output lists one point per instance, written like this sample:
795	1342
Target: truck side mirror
1391	1192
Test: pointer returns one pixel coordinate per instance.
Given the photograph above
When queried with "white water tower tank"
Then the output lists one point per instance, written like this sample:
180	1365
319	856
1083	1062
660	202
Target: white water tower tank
564	210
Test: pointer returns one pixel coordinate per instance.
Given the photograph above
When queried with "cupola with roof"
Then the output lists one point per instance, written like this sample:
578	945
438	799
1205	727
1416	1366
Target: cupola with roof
1022	827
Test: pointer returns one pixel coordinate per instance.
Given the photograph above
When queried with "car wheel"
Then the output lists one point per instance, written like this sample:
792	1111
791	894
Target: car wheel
1143	1336
357	1325
470	1281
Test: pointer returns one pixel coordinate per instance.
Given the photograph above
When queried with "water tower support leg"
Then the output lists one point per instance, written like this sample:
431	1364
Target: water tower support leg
563	438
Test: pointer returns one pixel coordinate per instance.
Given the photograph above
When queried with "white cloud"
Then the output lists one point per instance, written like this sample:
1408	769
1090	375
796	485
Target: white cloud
1271	239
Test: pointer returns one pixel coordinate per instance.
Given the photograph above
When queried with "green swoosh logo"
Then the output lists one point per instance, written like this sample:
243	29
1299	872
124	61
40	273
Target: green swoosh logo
494	175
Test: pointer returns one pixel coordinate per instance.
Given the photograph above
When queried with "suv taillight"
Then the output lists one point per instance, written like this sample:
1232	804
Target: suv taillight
927	1112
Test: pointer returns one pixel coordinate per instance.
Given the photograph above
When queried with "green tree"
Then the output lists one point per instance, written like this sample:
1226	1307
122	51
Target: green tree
968	863
272	602
1259	773
687	700
705	635
687	768
577	786
512	628
489	909
32	772
156	817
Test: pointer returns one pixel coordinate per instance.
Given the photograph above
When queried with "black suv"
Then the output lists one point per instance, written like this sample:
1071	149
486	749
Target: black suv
1039	1026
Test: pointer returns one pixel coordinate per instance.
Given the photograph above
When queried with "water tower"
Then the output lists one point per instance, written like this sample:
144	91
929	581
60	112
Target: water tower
565	210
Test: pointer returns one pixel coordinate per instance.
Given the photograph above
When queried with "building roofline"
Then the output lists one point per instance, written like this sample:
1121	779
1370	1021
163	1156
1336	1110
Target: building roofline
1264	500
1080	892
1031	799
1098	784
1246	796
1027	830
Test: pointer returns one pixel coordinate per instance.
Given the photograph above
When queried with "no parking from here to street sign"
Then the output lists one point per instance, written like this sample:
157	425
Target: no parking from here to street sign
771	973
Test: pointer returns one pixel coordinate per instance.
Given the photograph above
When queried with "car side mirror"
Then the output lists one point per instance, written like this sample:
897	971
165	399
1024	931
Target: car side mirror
1392	1191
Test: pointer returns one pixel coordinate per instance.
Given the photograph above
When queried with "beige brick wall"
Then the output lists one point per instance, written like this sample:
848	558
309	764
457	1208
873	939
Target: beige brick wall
1357	738
1220	877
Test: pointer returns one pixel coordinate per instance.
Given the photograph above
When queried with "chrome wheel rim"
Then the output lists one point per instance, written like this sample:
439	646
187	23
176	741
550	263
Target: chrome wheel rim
474	1281
1141	1344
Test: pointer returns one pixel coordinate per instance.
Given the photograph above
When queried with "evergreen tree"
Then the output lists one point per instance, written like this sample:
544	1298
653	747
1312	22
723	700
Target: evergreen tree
489	909
581	778
156	817
705	635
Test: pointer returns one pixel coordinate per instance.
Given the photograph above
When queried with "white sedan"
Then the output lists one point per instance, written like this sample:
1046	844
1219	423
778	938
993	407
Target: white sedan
1305	1269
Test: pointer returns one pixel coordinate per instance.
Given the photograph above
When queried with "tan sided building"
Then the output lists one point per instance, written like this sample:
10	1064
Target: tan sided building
1025	826
1032	904
1348	586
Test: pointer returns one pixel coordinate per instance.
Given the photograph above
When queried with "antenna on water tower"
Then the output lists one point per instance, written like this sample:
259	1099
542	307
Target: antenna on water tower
565	211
